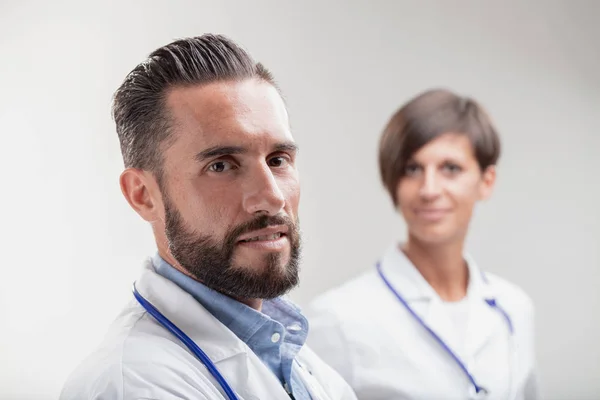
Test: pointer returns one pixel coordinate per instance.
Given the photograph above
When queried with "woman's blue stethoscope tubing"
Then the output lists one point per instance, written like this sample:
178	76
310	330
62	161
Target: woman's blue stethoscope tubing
490	302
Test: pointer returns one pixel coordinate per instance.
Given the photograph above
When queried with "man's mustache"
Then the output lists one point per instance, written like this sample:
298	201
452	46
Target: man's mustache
262	222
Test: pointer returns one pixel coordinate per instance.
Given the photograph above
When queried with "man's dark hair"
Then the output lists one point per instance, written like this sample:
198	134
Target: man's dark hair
427	116
139	106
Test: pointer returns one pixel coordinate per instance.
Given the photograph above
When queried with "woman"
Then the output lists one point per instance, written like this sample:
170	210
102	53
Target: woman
426	322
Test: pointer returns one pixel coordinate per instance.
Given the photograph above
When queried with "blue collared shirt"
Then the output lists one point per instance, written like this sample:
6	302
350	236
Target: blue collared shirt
275	335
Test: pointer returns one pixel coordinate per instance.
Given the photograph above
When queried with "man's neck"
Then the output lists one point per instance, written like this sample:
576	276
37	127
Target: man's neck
442	266
168	257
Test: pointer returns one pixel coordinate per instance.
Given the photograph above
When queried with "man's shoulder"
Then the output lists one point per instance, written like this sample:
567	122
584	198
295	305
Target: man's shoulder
132	355
100	375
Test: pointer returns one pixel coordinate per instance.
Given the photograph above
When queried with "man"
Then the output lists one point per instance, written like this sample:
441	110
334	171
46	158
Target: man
211	165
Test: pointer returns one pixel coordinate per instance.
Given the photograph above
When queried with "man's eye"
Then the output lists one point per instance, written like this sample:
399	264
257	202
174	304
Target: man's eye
277	161
220	166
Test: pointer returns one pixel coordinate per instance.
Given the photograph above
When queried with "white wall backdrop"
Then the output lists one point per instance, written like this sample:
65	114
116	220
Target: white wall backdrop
71	246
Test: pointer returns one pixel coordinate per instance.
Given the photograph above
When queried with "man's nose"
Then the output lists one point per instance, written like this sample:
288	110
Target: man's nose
262	193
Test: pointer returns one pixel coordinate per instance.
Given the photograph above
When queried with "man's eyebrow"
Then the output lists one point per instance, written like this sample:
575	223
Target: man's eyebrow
287	146
217	151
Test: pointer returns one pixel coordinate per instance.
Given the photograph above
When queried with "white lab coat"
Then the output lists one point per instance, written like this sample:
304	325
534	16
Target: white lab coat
139	359
369	337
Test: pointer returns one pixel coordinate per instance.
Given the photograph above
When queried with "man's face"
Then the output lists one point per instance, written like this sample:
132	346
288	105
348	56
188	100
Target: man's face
231	190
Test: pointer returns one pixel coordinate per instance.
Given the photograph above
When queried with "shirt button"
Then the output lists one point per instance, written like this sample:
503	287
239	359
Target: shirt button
275	338
294	328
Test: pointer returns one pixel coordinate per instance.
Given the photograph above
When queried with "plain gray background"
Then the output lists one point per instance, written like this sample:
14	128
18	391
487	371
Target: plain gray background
71	246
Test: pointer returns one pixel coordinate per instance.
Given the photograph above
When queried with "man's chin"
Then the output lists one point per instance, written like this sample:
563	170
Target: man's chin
264	286
267	280
259	263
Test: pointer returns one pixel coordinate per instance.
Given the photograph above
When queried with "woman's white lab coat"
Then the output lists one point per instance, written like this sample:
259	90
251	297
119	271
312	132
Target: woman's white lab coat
139	359
383	352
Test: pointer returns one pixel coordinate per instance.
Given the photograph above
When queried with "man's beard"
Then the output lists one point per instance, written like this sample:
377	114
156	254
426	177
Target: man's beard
211	262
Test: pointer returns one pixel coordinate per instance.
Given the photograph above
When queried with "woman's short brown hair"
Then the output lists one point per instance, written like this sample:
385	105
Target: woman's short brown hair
424	118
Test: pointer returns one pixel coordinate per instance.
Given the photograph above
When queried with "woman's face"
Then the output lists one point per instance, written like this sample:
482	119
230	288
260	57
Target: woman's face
441	184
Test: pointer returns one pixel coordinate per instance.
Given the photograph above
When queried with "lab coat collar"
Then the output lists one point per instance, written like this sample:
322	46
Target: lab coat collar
483	320
479	287
409	282
404	277
238	364
189	315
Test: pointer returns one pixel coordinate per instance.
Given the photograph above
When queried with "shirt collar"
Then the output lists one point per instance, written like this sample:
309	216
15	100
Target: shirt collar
244	321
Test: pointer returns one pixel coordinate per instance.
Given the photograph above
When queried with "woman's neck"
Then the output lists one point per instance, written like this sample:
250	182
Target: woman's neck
442	266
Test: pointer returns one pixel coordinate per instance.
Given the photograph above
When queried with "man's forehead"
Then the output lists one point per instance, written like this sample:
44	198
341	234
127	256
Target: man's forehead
225	112
214	102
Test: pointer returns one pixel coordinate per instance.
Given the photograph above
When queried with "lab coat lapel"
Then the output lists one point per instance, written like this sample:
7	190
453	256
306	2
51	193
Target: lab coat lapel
242	369
251	379
313	387
189	315
439	321
414	289
426	303
482	319
404	276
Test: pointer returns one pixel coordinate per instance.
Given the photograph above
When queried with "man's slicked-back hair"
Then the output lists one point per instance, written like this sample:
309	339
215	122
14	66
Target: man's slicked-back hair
139	104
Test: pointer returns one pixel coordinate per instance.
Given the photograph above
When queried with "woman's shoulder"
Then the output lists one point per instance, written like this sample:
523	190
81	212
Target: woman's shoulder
510	295
351	295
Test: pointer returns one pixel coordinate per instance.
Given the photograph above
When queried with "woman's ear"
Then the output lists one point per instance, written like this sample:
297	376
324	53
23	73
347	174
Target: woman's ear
488	181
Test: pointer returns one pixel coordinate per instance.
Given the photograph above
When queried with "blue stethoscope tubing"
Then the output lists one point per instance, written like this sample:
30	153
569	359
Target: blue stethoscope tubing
480	390
185	339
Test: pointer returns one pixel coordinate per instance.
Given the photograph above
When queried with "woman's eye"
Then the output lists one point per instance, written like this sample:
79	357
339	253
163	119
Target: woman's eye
220	166
277	161
411	169
452	168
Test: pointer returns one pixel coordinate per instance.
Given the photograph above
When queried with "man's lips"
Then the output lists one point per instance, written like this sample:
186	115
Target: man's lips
267	234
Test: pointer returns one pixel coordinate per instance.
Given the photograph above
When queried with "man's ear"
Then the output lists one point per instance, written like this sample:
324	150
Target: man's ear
141	191
488	181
